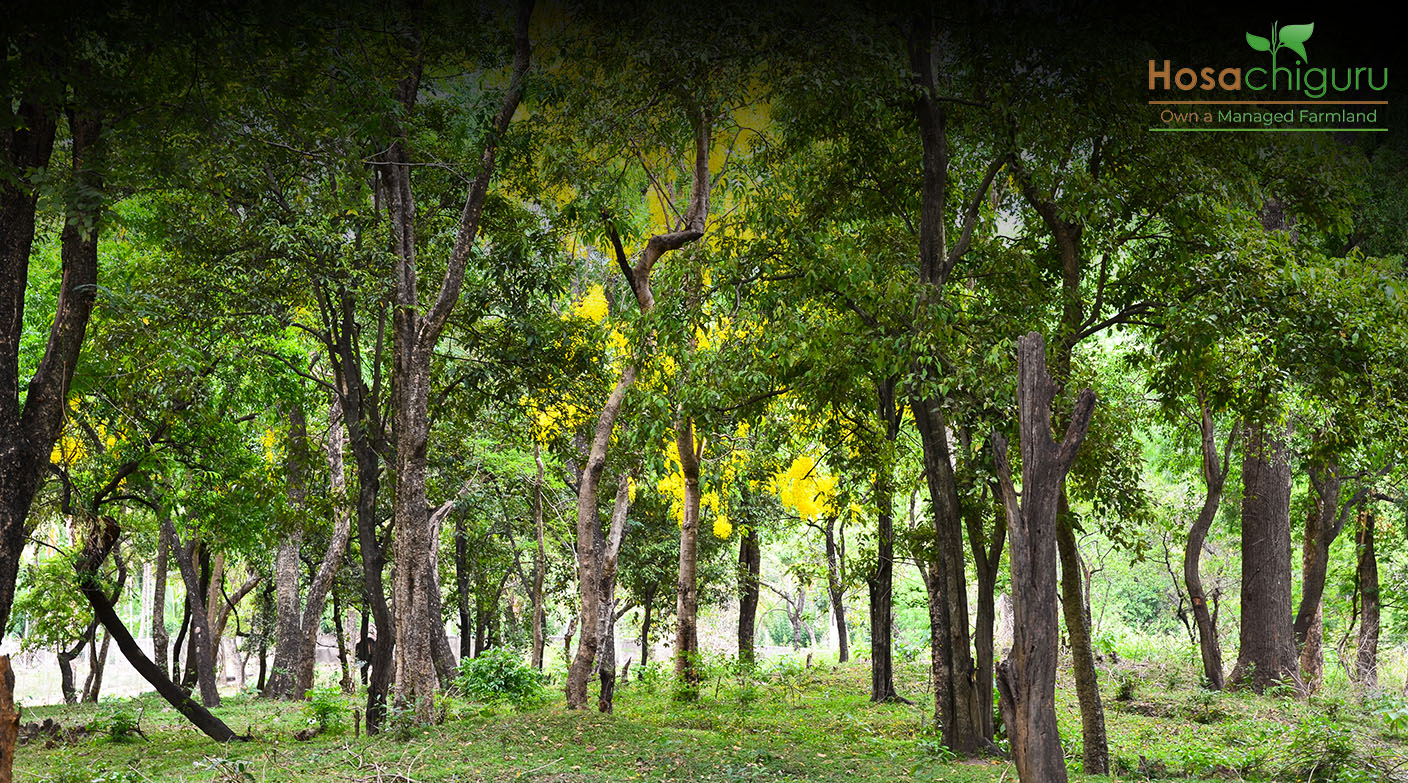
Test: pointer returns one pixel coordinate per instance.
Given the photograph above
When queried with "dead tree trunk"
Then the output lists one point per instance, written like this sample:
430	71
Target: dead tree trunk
1267	653
1026	681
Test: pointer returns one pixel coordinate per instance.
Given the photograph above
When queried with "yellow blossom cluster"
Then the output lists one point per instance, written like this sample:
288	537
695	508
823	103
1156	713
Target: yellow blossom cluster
806	489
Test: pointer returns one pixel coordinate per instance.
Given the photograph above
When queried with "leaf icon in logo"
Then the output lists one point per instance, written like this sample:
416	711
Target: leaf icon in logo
1258	43
1293	37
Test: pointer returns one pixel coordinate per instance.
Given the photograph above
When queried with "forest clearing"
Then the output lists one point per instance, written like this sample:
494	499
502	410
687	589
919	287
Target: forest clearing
416	391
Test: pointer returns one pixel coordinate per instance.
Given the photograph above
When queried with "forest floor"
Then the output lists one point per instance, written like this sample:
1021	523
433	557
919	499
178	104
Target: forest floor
791	723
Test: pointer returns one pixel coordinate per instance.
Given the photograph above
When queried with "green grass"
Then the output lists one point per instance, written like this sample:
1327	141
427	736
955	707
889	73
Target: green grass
791	724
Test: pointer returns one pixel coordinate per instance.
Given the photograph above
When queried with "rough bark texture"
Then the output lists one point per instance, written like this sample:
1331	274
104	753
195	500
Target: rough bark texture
415	335
1214	477
750	562
90	561
1026	681
160	639
288	605
687	597
1324	523
28	432
9	721
1267	652
1095	750
1367	574
880	581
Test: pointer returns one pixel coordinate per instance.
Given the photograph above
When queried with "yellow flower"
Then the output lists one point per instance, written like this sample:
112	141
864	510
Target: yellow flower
592	306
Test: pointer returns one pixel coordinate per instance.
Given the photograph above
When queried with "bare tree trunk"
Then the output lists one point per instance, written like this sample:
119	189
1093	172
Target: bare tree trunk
1267	654
750	561
1026	681
987	560
462	588
348	685
649	602
288	603
66	659
1095	755
97	662
881	579
1367	573
595	625
9	721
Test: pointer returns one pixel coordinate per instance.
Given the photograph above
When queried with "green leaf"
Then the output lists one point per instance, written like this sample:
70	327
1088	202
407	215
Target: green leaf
1258	43
1293	37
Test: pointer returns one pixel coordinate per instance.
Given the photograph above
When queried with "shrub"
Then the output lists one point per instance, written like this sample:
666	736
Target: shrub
500	675
119	723
325	708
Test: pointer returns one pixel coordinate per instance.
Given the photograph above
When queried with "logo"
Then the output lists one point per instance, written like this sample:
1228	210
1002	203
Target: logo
1290	81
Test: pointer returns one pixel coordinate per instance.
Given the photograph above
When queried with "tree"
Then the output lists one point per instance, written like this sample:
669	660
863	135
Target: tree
1027	680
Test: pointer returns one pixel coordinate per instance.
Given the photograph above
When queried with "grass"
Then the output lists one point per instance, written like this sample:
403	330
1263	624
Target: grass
789	723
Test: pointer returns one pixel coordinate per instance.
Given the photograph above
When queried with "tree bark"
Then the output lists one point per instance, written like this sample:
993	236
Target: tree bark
28	433
1214	477
202	648
288	605
1267	653
987	560
9	721
687	603
597	592
835	588
1026	681
160	640
540	564
1095	753
1367	574
462	588
881	579
90	561
415	335
750	561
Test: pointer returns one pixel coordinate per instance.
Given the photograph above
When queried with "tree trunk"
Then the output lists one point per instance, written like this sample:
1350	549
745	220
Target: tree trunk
606	668
987	561
462	589
97	660
1267	653
9	721
202	649
160	640
1026	681
66	659
956	703
540	564
750	562
415	335
348	685
28	432
687	605
1367	573
95	551
595	624
835	589
1214	477
1095	756
288	630
589	566
649	601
